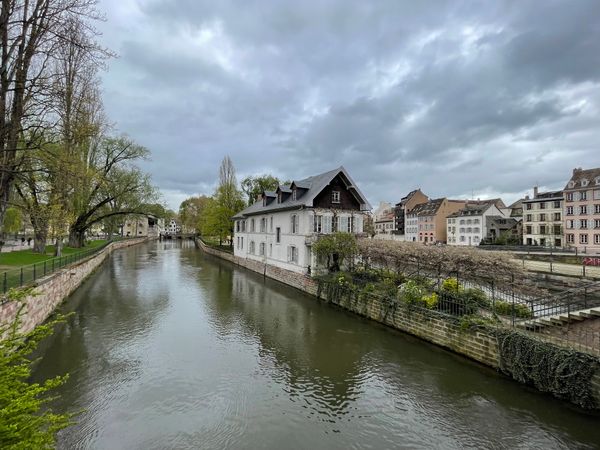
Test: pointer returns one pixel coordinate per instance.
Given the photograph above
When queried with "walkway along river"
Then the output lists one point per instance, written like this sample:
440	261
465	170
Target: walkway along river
172	348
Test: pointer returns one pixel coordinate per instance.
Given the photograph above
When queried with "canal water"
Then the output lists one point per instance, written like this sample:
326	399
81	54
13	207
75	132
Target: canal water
169	348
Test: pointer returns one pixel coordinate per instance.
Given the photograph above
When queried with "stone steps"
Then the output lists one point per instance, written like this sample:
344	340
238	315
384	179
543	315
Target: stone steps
562	318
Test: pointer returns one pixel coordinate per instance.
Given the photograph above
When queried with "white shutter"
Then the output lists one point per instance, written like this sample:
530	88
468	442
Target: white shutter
358	224
326	224
343	223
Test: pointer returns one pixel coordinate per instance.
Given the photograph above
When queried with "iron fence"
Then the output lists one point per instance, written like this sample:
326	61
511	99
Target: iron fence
25	275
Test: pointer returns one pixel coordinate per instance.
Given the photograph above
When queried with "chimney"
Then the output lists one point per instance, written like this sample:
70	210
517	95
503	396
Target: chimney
577	170
535	192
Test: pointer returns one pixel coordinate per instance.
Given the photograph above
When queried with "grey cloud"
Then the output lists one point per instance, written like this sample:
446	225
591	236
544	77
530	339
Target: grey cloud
454	97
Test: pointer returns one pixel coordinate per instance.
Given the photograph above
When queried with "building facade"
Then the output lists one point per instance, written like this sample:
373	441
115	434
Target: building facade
401	209
471	225
543	219
281	227
582	210
426	222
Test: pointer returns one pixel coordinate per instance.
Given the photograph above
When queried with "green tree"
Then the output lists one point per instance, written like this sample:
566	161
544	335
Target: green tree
26	422
190	211
13	220
225	203
254	186
336	249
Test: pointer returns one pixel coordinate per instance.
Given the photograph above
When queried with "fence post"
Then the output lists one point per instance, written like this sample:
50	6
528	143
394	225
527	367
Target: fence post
583	270
493	297
585	297
21	278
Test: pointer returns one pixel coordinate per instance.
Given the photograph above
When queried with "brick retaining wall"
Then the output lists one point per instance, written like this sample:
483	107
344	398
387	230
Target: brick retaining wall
478	344
54	288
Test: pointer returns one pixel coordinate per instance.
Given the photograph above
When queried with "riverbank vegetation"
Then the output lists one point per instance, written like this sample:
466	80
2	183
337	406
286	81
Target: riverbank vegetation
26	422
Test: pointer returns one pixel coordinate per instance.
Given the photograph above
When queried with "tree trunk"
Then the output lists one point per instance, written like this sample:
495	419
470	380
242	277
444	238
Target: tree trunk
76	238
58	247
40	236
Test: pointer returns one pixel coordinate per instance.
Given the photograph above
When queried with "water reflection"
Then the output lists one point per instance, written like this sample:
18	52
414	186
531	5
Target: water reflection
170	348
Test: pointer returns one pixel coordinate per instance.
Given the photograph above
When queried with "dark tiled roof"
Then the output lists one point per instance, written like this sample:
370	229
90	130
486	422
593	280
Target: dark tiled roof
313	186
591	175
427	209
544	196
477	207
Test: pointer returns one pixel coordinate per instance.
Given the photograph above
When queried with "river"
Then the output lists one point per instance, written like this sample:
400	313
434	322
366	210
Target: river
169	348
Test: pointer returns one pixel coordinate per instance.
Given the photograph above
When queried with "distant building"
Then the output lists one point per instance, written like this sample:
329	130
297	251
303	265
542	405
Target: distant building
143	226
582	210
172	227
470	225
281	227
407	203
385	223
543	219
426	222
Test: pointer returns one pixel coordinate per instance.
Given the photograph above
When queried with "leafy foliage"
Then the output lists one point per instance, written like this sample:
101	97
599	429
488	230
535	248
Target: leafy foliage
336	249
25	420
254	186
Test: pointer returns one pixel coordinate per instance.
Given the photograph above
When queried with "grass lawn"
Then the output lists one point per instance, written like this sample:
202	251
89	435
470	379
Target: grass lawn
20	258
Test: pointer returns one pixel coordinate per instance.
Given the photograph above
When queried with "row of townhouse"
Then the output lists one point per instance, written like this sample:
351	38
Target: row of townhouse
282	225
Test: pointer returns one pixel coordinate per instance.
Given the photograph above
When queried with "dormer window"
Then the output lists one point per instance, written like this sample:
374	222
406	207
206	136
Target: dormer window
294	194
265	200
335	196
597	181
584	182
571	184
279	197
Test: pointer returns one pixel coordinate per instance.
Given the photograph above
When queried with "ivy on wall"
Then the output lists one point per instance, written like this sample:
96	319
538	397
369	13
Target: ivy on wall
563	372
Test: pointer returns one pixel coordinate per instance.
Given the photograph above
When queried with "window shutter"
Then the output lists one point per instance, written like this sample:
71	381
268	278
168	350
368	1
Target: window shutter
327	224
289	250
358	224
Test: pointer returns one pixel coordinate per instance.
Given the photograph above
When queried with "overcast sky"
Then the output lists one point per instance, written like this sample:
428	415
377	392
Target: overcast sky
458	98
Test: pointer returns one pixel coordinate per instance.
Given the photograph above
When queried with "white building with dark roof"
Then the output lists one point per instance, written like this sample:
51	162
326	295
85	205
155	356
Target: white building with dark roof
281	226
470	225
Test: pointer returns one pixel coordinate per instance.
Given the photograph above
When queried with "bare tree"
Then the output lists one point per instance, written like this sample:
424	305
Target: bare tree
30	31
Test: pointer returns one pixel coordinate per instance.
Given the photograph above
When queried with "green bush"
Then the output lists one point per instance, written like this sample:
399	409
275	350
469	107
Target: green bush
451	285
478	297
430	301
506	309
411	292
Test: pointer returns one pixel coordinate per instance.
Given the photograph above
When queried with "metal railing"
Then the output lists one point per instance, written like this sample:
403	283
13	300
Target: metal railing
25	275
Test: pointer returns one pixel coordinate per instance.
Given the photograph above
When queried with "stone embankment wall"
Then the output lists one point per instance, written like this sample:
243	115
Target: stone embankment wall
480	344
50	291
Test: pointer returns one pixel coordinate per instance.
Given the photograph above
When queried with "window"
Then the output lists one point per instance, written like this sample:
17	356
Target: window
251	250
569	210
597	181
461	230
475	230
556	216
475	221
292	254
271	220
570	224
597	239
242	243
263	224
270	249
238	243
543	205
596	209
468	221
462	221
237	226
542	229
542	217
528	206
583	209
570	238
584	224
583	195
279	197
351	224
334	224
584	182
469	230
317	223
261	249
596	223
569	195
462	239
583	238
294	194
294	223
571	184
557	204
557	229
335	196
252	225
278	235
529	218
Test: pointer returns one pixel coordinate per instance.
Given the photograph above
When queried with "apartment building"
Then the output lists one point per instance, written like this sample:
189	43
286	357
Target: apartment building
582	210
543	219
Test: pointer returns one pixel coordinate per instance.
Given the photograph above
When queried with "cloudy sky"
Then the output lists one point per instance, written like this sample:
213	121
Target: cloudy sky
461	99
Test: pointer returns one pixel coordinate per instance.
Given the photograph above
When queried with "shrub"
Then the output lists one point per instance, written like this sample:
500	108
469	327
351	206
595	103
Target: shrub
411	292
451	285
506	309
431	300
478	297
